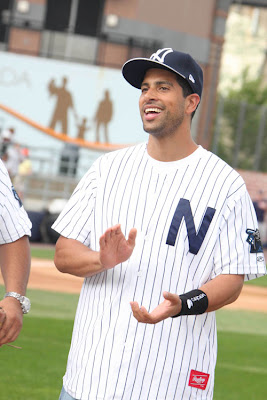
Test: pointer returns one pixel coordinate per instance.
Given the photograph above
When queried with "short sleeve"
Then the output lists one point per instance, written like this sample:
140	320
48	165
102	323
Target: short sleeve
75	220
238	249
14	221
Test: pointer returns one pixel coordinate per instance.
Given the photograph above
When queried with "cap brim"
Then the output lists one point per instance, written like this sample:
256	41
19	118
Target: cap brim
134	70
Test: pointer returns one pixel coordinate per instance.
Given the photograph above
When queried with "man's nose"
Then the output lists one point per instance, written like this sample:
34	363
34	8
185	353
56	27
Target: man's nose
151	93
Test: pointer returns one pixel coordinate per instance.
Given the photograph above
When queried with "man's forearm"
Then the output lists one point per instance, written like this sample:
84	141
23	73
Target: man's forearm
72	257
222	290
75	258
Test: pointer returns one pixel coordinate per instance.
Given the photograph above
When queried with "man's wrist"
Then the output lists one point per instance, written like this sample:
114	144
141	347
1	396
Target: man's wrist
9	302
23	300
194	302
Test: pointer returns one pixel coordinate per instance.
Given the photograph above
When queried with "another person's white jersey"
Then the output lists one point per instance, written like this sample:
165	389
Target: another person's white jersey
14	221
194	221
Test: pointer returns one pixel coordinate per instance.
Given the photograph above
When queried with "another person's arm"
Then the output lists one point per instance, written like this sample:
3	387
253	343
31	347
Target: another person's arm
15	261
74	258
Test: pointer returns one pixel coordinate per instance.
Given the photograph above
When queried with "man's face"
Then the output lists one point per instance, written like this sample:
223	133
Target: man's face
161	103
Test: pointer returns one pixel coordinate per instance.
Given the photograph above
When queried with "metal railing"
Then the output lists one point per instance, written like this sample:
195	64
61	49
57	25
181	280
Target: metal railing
54	176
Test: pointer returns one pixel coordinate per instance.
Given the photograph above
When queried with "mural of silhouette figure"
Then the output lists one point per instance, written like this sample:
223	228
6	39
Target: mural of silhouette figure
103	116
82	128
64	102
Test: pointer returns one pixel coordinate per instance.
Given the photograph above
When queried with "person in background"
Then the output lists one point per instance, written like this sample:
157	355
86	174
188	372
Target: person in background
12	159
6	138
24	170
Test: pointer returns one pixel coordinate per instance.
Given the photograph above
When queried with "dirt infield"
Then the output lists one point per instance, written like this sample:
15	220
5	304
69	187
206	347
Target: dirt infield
45	276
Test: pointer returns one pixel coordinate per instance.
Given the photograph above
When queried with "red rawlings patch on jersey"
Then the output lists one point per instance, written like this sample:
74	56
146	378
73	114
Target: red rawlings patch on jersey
198	379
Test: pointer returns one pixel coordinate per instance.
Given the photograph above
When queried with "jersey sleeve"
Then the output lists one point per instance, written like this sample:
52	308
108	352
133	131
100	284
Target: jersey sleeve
239	249
75	220
14	221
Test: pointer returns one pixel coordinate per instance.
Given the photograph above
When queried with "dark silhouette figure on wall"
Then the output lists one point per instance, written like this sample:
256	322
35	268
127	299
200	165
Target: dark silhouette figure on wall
103	116
63	104
82	128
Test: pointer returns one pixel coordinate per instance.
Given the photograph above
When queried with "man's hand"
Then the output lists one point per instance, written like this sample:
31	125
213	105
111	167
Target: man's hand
11	317
2	316
73	257
168	308
114	248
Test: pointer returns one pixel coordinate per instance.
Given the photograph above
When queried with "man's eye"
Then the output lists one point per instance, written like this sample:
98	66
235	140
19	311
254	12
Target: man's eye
164	88
144	90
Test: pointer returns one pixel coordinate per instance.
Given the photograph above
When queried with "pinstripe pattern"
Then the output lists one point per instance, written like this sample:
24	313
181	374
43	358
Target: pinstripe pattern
111	355
14	221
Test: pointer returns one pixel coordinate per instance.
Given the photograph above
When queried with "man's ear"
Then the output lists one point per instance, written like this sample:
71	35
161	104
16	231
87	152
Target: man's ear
192	102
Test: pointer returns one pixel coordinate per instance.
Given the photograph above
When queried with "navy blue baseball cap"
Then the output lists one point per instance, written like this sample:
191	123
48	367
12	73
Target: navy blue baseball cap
180	63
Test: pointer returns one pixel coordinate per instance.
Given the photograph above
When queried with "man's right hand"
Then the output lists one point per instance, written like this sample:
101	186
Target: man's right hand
114	248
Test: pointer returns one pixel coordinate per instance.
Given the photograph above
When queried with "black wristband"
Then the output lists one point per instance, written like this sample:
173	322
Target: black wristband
194	302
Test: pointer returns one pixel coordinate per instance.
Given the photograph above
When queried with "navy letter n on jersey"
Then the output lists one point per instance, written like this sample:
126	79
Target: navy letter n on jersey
183	210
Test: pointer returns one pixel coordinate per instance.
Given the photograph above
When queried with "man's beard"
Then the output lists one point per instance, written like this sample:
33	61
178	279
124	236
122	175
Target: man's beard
167	127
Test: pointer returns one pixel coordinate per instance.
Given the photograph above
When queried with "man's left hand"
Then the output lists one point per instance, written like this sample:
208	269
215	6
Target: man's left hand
168	308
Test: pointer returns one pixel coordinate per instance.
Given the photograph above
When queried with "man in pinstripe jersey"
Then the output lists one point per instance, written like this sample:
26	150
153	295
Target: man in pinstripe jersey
164	233
15	227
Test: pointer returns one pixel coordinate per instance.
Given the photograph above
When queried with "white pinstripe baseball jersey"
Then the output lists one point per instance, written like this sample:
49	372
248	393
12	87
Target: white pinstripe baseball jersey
14	221
191	218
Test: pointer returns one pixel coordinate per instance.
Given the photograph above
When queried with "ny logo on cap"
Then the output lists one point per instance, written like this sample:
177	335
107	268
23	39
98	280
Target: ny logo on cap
191	78
157	57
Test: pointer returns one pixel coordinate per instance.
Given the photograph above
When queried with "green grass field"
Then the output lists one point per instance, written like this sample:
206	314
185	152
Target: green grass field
258	282
35	372
43	252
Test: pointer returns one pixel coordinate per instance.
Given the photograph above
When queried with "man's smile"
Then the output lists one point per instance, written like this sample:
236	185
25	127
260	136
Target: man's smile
151	113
